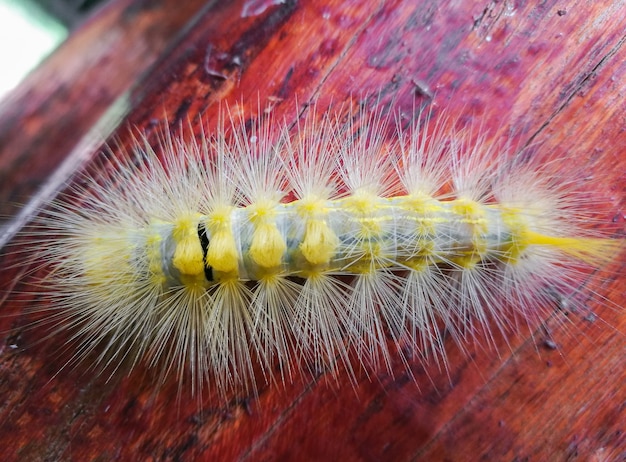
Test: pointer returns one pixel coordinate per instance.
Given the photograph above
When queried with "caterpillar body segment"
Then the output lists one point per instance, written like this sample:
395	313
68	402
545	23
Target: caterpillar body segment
305	248
394	233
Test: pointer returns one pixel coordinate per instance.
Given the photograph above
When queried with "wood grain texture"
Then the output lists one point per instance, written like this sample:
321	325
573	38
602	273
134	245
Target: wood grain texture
558	76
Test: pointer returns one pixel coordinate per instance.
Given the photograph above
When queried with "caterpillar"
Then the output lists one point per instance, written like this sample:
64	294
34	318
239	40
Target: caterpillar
323	245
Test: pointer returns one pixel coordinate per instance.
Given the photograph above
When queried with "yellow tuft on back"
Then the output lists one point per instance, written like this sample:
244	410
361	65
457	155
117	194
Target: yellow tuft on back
320	242
188	256
222	253
421	204
268	246
361	202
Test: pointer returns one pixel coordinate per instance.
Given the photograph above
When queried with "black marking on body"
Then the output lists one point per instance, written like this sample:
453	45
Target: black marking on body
204	242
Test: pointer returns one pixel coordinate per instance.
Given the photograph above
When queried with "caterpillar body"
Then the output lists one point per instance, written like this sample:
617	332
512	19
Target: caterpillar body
265	245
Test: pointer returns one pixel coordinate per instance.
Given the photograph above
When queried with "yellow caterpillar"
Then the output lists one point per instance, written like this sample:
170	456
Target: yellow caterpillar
278	247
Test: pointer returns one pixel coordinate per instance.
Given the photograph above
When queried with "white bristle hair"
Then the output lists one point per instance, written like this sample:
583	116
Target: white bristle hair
320	315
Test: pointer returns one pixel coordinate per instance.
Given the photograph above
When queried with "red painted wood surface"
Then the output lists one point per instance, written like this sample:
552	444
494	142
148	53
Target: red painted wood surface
47	116
556	74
